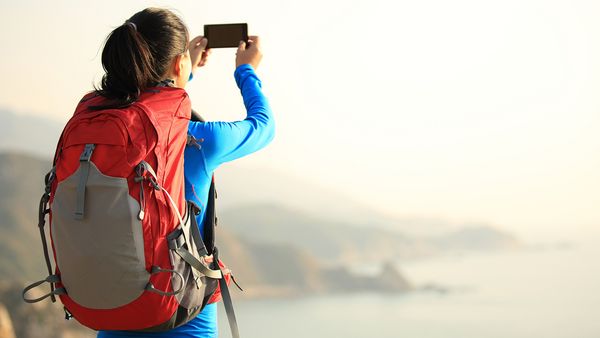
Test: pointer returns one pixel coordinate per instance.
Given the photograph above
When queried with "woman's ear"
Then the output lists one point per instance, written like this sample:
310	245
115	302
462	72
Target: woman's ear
178	65
180	70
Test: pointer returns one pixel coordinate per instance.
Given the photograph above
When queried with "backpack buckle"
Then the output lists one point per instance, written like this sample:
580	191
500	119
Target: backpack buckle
86	155
143	170
194	142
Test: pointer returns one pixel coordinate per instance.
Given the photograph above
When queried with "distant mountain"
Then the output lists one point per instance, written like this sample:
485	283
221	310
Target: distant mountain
332	242
28	133
337	242
21	186
476	237
269	269
240	186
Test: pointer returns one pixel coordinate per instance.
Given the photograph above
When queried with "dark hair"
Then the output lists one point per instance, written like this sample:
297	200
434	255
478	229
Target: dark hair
137	55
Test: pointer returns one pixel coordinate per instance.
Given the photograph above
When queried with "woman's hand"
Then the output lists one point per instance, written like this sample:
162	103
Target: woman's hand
198	52
249	54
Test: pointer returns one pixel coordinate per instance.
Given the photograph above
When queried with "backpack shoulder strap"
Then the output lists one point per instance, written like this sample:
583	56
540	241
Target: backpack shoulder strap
210	219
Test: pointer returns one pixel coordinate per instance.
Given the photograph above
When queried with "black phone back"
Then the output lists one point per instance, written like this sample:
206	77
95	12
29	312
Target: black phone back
226	35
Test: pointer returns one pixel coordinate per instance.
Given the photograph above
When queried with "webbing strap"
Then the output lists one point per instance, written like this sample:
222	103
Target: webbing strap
52	279
186	255
193	142
145	168
235	332
196	236
177	239
84	164
173	204
42	211
150	286
196	264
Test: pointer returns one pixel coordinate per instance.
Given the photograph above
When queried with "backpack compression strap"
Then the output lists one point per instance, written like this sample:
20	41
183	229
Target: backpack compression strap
84	163
209	226
235	332
51	279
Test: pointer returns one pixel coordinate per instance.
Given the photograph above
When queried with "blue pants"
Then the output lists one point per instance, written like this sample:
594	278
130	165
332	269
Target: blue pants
203	326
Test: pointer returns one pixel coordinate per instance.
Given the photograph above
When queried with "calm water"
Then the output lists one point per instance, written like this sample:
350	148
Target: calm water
546	293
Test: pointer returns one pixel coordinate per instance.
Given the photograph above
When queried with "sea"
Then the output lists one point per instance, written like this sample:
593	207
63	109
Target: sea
540	291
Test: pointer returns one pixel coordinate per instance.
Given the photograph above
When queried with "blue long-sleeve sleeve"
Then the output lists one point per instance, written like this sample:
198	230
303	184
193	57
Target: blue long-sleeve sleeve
220	142
227	141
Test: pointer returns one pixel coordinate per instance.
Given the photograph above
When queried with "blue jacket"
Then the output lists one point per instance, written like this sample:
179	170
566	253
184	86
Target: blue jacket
219	142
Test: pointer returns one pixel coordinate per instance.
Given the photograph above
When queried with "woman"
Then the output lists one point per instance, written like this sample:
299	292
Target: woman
153	39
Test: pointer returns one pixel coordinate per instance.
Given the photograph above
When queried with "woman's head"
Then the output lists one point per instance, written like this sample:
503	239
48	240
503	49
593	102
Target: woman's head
140	53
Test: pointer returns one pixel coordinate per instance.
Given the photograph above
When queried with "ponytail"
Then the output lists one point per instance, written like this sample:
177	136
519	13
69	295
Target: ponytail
138	53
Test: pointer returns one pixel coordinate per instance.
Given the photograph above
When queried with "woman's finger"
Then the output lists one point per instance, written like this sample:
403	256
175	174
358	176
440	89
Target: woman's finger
254	40
198	44
203	43
196	40
204	59
241	46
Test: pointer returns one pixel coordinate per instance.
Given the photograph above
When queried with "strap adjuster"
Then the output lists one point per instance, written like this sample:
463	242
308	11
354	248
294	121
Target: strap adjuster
86	155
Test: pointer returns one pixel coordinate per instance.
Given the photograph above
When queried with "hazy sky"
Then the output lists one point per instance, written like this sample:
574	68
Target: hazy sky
466	110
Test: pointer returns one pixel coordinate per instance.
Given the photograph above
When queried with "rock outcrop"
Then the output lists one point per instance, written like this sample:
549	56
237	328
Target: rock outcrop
6	327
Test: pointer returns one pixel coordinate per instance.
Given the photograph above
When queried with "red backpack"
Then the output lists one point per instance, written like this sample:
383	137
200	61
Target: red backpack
126	246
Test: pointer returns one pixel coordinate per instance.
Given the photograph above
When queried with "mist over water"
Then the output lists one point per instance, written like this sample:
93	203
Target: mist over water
541	291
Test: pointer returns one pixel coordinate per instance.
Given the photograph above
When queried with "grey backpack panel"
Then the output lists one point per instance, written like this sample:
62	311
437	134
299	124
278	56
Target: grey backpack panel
101	261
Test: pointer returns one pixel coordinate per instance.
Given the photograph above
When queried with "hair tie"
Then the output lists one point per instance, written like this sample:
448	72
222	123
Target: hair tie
131	24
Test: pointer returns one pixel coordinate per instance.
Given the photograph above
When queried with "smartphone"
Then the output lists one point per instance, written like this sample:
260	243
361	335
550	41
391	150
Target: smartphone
226	35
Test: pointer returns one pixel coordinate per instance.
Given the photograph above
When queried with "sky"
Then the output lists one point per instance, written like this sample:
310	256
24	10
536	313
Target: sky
467	110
